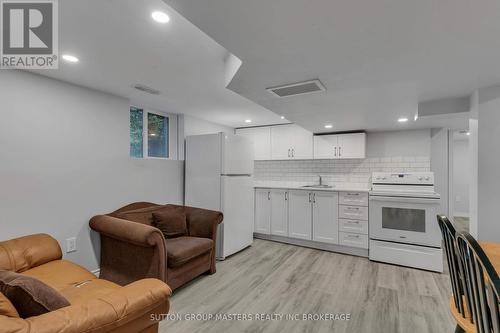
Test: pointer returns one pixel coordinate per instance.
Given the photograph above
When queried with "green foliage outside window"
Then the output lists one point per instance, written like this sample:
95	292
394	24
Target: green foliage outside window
136	130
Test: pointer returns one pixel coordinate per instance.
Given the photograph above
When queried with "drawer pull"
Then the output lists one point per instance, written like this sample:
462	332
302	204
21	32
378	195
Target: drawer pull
353	236
353	194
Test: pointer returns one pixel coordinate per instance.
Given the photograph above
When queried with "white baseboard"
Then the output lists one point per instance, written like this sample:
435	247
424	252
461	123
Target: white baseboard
461	214
96	272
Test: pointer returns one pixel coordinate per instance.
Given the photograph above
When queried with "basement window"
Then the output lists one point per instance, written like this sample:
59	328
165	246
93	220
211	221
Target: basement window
149	134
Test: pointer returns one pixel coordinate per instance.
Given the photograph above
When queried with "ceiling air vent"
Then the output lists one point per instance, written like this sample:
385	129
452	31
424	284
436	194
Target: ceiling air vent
146	89
299	88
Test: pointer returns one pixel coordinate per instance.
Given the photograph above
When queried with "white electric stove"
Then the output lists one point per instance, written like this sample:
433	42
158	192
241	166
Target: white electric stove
403	228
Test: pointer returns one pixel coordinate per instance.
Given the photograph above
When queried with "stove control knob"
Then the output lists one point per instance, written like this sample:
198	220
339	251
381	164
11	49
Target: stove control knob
427	178
420	178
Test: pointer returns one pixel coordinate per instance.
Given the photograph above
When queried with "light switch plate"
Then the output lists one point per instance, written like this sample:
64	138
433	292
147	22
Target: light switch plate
71	244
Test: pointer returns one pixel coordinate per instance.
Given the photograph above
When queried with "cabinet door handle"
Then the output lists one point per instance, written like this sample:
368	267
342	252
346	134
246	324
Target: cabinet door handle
268	195
286	196
335	154
309	197
314	197
288	152
293	152
339	152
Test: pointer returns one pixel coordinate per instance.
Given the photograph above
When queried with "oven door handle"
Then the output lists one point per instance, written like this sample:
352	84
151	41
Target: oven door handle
406	200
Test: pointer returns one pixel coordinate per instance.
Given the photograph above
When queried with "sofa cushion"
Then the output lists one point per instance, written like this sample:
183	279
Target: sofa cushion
141	215
23	253
171	222
30	297
60	274
6	307
182	249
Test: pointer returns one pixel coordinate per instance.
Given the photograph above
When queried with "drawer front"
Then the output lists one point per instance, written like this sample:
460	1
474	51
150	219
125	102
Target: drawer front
353	198
353	226
353	212
353	240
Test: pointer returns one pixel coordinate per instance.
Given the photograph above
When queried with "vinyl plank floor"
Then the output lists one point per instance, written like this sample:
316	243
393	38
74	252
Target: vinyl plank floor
275	278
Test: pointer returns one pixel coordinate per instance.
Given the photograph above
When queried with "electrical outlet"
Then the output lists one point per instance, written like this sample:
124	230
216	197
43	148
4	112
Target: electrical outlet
71	244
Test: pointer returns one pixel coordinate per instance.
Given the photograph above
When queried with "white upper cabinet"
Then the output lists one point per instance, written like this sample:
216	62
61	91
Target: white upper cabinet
325	146
302	143
352	145
338	146
261	138
291	142
281	142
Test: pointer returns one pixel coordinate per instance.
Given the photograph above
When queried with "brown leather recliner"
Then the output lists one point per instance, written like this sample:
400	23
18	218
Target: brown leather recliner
97	306
132	249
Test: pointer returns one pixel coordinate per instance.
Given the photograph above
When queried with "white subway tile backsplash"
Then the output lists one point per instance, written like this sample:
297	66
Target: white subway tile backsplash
337	171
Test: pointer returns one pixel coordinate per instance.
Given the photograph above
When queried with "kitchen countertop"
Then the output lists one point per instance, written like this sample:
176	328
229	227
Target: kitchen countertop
336	188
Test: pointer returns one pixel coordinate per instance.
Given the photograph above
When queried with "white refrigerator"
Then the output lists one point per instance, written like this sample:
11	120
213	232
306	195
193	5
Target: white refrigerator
218	176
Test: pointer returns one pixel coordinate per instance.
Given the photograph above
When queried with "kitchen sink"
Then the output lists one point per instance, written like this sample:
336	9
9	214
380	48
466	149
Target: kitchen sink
317	186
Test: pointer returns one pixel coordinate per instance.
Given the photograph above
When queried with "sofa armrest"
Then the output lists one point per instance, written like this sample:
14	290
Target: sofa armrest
21	254
127	231
203	222
144	301
130	251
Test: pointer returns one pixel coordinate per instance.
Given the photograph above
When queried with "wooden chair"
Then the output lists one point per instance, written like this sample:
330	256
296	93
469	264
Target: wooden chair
482	285
460	302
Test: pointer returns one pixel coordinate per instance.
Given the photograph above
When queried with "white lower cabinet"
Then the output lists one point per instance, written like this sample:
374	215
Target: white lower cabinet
315	216
279	212
325	217
262	211
353	240
300	214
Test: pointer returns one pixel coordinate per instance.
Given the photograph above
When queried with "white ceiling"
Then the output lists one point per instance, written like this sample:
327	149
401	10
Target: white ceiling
377	58
118	45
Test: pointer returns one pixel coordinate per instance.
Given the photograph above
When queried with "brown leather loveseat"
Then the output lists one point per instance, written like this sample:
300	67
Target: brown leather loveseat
132	249
96	306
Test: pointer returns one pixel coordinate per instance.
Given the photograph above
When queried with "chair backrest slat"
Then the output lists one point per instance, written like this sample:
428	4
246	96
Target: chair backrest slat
449	233
482	283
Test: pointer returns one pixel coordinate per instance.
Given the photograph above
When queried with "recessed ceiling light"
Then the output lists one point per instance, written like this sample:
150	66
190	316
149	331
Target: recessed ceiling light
70	58
248	121
328	126
282	117
402	120
468	133
160	17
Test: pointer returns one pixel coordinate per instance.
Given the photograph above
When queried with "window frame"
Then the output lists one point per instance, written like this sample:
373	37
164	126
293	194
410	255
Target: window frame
145	142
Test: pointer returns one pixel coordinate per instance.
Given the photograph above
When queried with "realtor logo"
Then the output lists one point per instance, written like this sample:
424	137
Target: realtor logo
29	34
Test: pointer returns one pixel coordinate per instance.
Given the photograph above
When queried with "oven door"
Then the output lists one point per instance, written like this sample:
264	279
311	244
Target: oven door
404	220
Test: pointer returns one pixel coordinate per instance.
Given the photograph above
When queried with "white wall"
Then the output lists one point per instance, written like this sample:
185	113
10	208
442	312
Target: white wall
440	166
488	218
198	126
461	177
64	157
399	143
474	166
